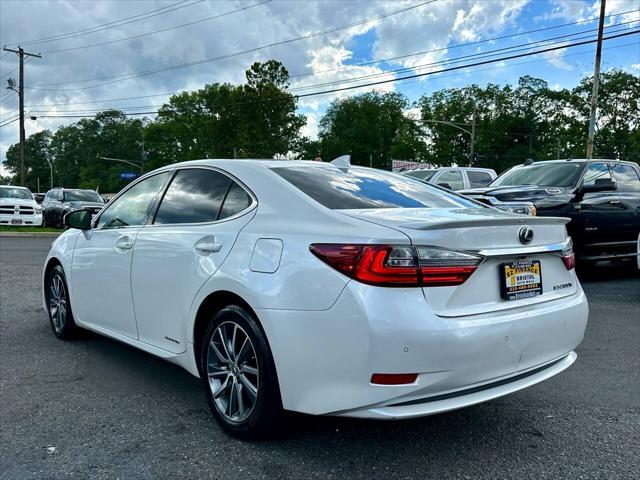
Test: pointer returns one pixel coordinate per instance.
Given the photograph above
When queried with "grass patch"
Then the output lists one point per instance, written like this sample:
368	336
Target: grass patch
30	229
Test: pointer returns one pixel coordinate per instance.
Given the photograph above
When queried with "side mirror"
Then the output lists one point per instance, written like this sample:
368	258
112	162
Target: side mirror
80	219
600	185
445	185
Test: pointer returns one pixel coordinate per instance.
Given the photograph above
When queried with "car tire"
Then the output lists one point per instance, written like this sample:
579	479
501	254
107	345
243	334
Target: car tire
59	306
239	376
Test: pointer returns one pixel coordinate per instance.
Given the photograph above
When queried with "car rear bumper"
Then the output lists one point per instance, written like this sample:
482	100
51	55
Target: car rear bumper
27	220
467	396
325	359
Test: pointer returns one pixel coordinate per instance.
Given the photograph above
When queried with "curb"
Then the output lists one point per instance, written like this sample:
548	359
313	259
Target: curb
30	234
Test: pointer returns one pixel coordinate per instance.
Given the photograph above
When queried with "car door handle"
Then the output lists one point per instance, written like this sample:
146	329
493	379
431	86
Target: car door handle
615	202
207	246
124	243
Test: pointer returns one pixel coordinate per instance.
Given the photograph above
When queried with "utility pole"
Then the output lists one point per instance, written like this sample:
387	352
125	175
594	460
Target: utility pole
473	135
370	160
21	54
596	81
143	157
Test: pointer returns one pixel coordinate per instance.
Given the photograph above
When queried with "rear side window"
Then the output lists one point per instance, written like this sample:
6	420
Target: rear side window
237	200
199	195
194	196
478	179
366	188
626	178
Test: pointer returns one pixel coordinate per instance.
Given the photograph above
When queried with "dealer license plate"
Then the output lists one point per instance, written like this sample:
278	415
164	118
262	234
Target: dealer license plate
16	221
521	279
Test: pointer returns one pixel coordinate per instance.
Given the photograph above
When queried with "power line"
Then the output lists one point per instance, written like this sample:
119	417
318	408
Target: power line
157	31
511	49
380	82
477	42
412	81
118	78
346	66
377	75
10	121
114	23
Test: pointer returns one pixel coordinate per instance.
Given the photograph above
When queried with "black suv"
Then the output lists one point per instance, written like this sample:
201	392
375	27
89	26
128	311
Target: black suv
60	201
601	197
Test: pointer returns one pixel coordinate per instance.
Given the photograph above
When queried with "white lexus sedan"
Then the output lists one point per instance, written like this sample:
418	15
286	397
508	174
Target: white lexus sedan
321	288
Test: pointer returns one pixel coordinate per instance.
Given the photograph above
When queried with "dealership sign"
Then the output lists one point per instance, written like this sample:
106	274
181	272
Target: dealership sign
401	165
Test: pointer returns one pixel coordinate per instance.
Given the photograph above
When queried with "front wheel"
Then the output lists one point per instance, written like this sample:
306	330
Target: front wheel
239	376
59	306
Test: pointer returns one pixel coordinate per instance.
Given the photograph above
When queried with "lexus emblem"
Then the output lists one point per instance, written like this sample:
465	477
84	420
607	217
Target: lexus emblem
525	234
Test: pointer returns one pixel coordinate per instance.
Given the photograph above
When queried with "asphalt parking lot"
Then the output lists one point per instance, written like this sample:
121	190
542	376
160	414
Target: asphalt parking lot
95	408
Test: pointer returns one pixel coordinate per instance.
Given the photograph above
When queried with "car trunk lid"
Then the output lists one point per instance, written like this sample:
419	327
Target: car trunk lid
496	236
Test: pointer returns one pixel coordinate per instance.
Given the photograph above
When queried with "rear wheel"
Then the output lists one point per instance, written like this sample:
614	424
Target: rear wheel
59	306
239	376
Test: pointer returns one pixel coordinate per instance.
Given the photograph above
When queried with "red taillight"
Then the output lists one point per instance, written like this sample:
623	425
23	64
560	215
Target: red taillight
443	276
569	260
371	264
568	257
393	378
399	265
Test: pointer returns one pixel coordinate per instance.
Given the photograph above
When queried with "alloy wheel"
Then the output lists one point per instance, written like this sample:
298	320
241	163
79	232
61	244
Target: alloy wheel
233	373
57	302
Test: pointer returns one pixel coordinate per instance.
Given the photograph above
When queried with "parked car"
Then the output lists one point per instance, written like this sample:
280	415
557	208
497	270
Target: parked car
320	288
455	178
38	197
60	201
601	197
17	207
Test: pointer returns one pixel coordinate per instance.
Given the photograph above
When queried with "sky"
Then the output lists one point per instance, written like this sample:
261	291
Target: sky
322	43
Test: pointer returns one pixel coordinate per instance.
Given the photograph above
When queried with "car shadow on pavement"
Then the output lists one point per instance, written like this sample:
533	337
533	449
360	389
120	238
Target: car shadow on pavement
608	271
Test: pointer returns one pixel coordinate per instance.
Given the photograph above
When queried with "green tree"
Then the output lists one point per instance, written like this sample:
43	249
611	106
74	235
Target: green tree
36	160
370	126
257	119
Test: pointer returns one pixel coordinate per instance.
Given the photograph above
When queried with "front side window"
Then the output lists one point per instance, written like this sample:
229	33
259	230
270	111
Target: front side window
626	178
595	172
11	192
542	174
196	196
367	188
478	179
451	179
130	209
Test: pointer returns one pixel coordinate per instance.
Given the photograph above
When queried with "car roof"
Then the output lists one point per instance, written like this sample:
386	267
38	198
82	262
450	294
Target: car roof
13	186
482	169
581	160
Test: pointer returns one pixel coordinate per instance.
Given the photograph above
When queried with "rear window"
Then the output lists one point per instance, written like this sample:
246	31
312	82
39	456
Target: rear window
367	188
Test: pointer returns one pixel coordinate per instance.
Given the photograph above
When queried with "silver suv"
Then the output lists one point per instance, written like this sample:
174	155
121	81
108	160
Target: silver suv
454	178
